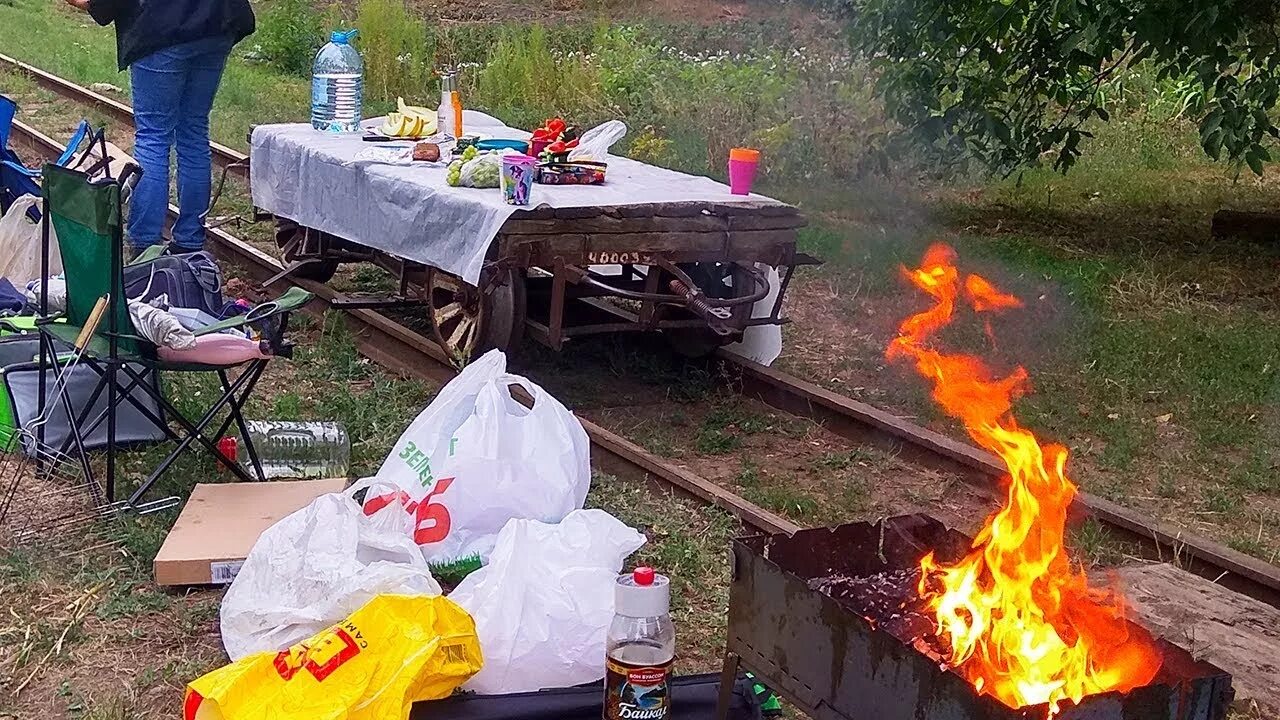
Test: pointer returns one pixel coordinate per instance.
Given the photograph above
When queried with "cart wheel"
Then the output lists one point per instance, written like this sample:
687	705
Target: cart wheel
467	323
286	232
718	280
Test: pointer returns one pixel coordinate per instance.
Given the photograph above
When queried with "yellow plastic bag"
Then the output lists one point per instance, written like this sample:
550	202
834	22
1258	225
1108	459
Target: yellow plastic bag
374	665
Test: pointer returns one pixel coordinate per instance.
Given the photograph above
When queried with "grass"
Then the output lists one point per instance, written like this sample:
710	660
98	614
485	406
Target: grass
842	460
723	430
1220	499
779	498
1093	545
1153	349
688	542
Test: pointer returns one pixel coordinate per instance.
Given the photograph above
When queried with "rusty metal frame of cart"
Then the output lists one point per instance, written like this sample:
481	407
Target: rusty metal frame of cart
691	270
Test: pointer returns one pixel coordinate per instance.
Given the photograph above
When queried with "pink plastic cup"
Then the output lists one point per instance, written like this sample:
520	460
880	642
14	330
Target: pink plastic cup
742	170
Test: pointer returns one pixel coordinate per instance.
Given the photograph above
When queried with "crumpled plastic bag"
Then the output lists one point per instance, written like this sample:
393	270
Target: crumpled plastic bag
595	143
315	567
476	458
392	652
20	243
544	602
484	171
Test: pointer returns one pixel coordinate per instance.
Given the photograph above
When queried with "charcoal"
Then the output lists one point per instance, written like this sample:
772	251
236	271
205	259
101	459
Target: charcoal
888	600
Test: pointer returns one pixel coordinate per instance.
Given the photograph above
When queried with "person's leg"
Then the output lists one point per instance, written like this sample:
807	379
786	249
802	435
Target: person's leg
192	138
158	82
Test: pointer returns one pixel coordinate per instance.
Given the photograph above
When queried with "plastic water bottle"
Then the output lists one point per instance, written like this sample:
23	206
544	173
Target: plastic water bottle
639	648
337	85
298	449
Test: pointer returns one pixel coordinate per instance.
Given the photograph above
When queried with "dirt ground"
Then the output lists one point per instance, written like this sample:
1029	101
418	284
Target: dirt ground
795	468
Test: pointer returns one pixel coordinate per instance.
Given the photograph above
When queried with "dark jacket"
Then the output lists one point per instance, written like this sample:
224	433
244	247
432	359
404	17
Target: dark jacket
145	26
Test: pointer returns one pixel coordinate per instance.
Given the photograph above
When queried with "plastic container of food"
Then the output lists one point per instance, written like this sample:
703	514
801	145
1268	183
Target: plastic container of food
578	172
499	144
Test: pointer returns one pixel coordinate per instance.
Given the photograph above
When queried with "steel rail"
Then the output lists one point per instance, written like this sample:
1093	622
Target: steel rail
400	349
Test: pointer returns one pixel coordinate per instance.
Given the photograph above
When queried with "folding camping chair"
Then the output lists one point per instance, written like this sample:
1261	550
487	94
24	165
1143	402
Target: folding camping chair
17	179
86	216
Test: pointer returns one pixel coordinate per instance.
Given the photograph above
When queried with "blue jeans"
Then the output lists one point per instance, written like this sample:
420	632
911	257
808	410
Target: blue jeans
173	93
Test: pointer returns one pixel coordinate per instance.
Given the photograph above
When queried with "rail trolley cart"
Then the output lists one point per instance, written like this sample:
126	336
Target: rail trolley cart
650	250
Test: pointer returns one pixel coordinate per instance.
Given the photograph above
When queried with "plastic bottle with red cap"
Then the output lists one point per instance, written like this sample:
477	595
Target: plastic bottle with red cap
640	648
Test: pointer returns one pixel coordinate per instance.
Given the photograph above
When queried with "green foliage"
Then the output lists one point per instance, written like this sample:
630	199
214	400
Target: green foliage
688	94
1008	82
289	33
529	81
398	60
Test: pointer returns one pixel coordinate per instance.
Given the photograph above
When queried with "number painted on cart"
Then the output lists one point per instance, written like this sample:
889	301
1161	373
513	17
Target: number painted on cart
614	258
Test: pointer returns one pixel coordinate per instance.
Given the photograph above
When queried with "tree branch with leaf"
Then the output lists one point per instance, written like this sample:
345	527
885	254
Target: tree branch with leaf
1011	82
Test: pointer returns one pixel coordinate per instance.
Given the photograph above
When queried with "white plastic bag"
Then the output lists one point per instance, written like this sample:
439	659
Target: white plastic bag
476	458
316	567
544	603
484	171
762	343
595	143
20	244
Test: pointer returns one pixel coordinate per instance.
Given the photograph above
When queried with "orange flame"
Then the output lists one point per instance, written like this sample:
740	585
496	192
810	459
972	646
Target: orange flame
1021	622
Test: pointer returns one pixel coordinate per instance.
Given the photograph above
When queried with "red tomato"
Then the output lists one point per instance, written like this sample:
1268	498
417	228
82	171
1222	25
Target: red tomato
557	147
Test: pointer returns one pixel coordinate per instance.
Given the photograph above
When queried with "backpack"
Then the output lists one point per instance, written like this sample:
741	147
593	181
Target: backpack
190	280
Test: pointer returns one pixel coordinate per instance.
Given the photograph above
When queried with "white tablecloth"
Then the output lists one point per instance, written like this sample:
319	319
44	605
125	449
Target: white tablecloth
319	180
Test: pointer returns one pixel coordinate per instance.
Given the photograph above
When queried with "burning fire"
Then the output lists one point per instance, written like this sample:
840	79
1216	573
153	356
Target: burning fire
1021	622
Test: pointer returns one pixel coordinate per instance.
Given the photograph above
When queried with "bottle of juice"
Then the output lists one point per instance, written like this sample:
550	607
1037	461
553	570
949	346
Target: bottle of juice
445	112
640	648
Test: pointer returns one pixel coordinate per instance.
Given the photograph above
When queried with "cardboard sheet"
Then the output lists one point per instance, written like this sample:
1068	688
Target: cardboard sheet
222	521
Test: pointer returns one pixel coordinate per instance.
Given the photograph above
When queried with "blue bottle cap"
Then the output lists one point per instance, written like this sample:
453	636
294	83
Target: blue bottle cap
342	37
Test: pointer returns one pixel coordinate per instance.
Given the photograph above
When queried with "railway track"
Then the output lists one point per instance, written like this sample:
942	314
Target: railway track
402	350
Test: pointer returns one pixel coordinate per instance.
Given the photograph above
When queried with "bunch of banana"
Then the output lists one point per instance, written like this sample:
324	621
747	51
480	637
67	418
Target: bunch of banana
409	121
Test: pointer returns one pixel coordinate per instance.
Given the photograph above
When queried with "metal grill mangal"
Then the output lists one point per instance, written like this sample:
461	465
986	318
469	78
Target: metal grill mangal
826	618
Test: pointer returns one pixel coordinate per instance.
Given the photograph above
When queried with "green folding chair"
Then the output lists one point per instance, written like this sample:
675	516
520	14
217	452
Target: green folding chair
86	215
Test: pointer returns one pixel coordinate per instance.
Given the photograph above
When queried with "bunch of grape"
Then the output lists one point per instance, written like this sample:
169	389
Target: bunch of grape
486	175
454	173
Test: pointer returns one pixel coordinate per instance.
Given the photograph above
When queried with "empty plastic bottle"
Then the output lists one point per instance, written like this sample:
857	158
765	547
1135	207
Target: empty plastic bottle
337	85
298	449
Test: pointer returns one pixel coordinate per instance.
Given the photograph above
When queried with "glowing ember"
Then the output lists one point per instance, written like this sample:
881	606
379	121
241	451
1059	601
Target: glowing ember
1020	621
